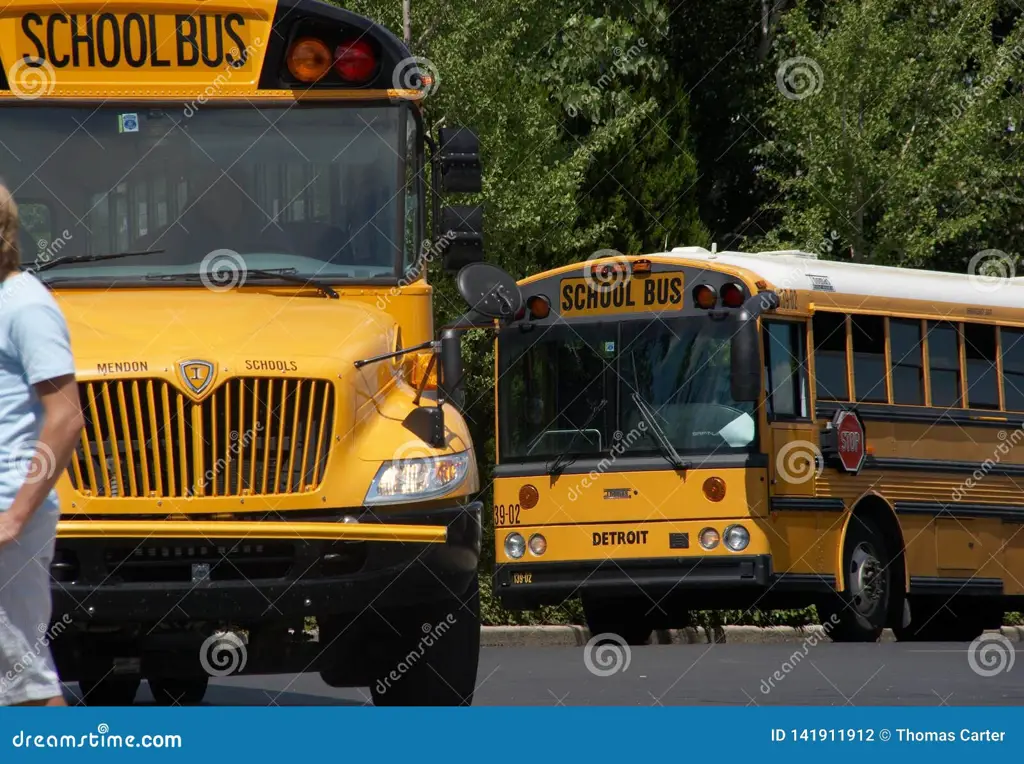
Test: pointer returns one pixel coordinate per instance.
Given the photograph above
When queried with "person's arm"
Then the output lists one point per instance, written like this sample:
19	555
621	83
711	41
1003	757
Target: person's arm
39	337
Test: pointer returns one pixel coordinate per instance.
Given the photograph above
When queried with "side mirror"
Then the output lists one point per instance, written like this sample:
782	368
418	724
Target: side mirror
489	291
745	355
462	230
458	156
451	368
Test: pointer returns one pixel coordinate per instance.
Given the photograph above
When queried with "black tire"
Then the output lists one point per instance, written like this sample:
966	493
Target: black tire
185	691
859	613
409	670
109	690
624	619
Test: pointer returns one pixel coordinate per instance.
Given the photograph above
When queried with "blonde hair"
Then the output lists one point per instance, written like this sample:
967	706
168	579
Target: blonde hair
10	256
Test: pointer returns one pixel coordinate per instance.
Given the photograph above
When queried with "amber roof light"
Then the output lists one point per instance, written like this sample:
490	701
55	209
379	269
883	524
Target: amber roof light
309	59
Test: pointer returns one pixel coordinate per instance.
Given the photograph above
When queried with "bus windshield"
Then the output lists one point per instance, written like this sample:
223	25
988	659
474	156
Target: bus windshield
316	190
585	385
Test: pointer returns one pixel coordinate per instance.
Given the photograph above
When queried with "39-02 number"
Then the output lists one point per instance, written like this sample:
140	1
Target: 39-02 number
506	515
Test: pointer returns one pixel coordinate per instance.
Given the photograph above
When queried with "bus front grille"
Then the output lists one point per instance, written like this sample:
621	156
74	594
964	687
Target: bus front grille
251	436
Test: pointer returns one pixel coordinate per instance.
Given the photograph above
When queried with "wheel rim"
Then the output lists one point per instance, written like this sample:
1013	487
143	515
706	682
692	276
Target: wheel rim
867	579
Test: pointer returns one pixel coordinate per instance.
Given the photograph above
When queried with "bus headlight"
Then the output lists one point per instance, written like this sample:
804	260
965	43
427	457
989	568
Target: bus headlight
709	538
736	537
515	546
417	479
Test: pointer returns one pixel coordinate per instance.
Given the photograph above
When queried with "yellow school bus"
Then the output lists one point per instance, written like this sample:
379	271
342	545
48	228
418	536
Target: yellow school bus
705	430
229	201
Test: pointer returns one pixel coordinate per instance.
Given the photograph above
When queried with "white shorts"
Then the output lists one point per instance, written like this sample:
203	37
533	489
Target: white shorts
27	671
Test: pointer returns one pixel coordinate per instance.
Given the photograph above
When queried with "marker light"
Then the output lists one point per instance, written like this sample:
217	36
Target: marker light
515	546
732	295
709	538
714	488
539	306
354	61
528	496
309	60
737	537
538	545
609	273
704	296
641	266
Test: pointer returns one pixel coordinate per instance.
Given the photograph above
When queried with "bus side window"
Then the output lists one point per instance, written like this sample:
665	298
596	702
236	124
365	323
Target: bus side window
869	359
907	362
830	356
944	364
980	350
1012	341
786	368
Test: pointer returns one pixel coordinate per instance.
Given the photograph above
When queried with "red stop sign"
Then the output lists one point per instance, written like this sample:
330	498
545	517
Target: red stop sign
850	440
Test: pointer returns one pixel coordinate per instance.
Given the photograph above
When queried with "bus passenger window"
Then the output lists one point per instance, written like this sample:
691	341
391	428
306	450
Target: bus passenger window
907	362
944	364
980	349
830	356
786	368
1012	341
869	359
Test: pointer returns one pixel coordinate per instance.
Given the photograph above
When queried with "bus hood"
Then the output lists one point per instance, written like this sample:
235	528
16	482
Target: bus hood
136	333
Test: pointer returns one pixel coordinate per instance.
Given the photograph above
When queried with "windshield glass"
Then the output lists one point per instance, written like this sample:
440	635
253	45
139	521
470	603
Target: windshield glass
314	189
553	380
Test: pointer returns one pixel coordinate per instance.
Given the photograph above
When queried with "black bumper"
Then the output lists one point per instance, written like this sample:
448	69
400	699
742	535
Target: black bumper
249	582
528	585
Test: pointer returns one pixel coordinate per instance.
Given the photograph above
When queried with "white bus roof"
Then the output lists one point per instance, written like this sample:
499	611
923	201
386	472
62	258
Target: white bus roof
791	269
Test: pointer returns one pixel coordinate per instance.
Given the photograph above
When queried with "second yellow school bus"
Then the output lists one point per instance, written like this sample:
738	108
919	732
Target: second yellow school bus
229	201
697	430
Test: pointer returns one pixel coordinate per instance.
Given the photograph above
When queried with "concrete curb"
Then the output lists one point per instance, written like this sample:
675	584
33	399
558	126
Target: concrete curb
577	636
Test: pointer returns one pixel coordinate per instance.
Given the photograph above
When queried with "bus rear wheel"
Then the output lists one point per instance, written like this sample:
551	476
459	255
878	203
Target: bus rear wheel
859	612
623	620
428	655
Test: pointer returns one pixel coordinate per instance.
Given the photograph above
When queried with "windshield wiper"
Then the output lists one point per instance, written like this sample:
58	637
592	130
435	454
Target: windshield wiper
280	274
667	449
67	259
563	460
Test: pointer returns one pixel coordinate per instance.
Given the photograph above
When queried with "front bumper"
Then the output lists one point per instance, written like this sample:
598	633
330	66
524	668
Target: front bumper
163	575
521	586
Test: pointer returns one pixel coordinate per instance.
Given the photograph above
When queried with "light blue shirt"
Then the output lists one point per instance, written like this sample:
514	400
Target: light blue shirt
34	347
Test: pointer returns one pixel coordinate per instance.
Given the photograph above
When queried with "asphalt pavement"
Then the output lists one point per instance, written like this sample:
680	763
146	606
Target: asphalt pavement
823	674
